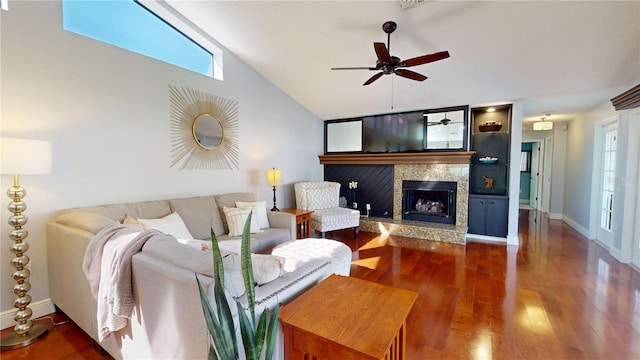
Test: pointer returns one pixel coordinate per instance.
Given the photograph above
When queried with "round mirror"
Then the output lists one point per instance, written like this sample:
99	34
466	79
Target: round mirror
207	131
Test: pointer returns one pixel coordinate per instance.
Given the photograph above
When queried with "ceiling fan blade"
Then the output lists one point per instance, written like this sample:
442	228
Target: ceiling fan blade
410	74
373	78
424	59
382	52
354	68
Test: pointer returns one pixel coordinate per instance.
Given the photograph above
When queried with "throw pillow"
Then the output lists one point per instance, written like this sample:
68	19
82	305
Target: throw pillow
259	210
266	268
236	217
130	220
171	224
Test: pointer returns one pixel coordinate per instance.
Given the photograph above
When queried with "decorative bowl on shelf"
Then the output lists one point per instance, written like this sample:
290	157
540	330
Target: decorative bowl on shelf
490	126
488	160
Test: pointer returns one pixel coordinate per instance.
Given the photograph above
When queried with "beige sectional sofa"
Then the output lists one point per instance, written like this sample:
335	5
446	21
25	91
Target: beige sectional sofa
167	320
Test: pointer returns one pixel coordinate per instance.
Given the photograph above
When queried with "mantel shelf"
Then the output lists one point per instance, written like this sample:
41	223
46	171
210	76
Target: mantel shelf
458	157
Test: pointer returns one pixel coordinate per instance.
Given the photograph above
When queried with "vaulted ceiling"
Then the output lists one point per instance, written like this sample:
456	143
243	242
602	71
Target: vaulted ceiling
558	57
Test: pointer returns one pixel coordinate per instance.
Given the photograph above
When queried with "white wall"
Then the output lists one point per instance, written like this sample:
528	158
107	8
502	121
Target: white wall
106	111
579	166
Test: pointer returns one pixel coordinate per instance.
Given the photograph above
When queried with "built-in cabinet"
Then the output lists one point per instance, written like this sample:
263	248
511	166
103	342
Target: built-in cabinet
488	215
489	170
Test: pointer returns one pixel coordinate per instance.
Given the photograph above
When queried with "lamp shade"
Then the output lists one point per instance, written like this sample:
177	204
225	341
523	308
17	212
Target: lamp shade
543	125
24	156
273	177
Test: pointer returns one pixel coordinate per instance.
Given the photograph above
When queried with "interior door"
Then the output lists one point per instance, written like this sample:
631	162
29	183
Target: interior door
607	182
636	240
535	166
545	179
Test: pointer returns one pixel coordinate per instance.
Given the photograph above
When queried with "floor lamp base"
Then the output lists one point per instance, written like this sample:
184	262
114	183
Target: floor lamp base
15	341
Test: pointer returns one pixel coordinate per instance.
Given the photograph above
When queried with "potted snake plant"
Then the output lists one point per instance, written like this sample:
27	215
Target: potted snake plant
255	336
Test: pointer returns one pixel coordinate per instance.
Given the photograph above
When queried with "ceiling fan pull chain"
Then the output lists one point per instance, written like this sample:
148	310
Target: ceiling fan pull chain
392	92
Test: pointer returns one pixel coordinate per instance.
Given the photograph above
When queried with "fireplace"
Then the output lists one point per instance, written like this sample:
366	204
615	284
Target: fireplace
429	201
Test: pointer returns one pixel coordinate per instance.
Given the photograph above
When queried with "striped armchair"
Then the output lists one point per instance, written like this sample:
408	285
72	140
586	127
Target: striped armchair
323	197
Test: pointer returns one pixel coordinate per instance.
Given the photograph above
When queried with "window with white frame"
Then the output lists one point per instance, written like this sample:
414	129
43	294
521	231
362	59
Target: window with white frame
137	26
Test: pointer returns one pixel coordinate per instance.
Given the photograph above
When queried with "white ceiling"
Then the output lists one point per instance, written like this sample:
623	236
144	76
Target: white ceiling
559	57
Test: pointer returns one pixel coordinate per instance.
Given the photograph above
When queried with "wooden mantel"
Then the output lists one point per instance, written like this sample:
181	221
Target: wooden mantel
458	157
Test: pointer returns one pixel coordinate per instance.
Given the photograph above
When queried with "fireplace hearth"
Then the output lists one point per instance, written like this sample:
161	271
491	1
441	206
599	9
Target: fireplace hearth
429	201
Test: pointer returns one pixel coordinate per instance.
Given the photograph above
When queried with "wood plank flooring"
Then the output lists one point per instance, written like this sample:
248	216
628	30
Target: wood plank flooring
558	296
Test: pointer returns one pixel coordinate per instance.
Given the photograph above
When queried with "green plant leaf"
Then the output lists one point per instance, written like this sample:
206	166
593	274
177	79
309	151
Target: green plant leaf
221	341
221	328
248	339
247	267
218	267
261	329
271	333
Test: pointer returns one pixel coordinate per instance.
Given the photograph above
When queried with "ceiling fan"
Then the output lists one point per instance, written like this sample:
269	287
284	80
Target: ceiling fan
388	64
444	121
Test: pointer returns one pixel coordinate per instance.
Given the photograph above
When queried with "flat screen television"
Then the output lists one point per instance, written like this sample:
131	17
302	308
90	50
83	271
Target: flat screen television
403	132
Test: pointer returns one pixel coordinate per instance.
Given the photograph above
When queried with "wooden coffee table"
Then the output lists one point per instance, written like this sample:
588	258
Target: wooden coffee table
347	318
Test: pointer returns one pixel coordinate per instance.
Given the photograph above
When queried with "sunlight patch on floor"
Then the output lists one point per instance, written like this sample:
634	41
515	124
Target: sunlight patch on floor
371	263
378	241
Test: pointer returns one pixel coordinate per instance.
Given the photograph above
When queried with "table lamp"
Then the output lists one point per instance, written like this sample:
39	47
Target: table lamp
22	157
273	179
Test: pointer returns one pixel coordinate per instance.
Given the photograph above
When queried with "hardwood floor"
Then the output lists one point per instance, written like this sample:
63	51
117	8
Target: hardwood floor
558	296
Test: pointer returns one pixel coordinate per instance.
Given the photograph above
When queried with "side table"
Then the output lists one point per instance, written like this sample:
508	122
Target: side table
347	318
303	222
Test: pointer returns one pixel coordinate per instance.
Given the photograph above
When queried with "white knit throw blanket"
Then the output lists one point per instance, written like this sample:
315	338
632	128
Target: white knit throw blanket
107	266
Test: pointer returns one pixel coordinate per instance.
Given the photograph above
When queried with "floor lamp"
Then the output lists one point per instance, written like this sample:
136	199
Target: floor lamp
273	179
22	157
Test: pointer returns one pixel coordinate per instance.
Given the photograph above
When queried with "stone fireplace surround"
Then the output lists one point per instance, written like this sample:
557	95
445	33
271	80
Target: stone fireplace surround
422	167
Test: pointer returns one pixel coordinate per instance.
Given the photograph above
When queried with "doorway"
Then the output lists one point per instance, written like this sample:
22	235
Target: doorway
607	140
540	165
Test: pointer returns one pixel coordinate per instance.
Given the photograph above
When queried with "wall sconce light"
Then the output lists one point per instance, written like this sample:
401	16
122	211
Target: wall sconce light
273	179
543	125
22	157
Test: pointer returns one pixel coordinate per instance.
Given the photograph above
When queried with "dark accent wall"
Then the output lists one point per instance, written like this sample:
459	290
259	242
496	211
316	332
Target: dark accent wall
375	186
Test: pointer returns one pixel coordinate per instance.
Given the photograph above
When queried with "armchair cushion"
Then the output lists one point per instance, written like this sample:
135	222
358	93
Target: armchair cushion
313	195
322	198
334	219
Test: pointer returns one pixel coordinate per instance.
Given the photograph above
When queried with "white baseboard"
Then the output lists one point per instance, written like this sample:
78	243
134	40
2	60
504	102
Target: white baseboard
579	228
39	308
485	239
513	240
556	216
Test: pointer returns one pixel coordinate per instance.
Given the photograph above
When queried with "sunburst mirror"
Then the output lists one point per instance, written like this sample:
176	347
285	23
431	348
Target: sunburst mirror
204	130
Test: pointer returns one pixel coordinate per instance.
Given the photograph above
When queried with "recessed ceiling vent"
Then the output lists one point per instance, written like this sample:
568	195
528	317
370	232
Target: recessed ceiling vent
407	4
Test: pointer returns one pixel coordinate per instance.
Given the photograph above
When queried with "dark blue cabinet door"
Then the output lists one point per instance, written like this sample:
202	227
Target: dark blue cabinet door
496	217
477	215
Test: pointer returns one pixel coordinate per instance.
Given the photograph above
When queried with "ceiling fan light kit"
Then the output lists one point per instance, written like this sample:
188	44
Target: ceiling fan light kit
544	124
387	64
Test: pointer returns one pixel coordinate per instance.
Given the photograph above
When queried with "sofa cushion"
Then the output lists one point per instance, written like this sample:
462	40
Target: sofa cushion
89	221
237	217
149	209
171	224
229	200
260	211
167	248
200	214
